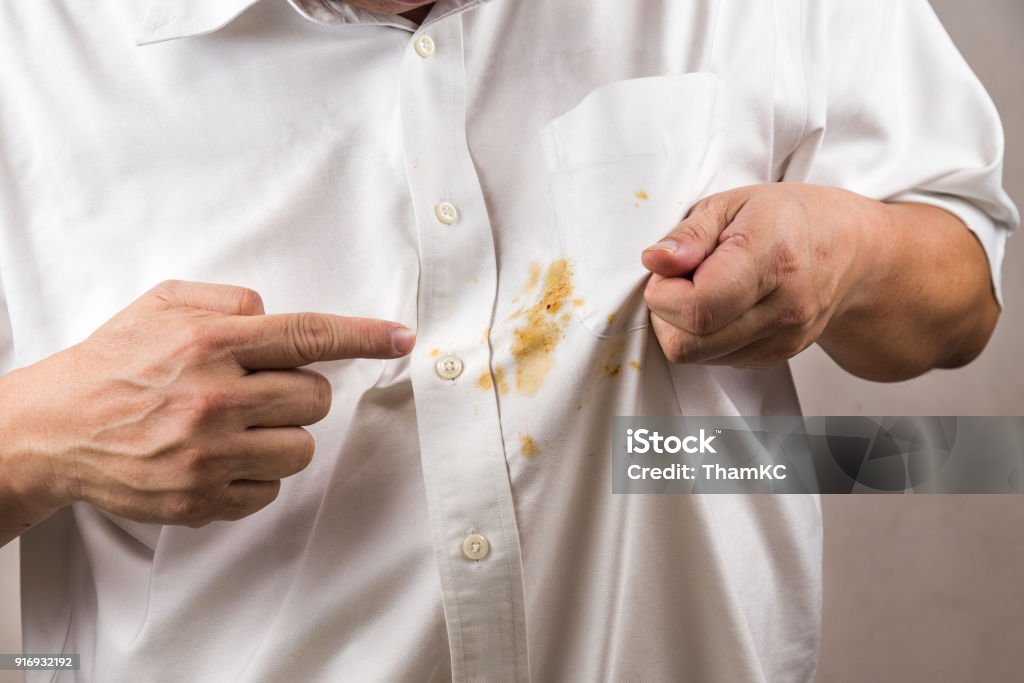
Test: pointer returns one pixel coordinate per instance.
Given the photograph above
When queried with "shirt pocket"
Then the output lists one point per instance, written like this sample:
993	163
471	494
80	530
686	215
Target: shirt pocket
625	165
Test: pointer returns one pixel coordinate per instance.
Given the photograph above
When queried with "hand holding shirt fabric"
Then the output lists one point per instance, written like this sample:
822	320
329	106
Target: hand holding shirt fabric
754	276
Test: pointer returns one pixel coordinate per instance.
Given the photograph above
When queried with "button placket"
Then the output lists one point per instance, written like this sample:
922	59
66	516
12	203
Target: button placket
464	465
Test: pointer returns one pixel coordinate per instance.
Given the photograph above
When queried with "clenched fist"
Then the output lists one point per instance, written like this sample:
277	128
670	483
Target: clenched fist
186	407
755	275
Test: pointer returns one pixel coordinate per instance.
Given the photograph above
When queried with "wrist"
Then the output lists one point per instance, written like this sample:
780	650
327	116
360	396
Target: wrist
867	227
30	471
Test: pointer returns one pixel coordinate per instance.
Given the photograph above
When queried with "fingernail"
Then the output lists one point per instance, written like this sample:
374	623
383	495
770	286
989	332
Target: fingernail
403	339
669	246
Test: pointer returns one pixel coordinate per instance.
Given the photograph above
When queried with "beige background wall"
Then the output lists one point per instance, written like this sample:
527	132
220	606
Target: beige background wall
931	588
921	588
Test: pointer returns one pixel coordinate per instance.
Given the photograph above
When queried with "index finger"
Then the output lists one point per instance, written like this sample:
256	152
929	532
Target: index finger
725	286
290	340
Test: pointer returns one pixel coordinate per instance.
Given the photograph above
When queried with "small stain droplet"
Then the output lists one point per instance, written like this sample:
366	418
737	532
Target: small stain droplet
528	446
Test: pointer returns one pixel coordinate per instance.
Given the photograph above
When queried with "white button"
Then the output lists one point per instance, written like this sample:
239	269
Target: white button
424	46
475	547
446	213
448	367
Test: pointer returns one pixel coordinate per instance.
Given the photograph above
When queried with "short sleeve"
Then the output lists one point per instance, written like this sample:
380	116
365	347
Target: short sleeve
896	114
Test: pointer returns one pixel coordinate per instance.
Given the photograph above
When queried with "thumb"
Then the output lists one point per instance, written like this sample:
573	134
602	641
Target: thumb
682	250
205	296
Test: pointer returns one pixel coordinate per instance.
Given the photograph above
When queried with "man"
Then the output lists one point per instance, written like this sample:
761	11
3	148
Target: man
508	179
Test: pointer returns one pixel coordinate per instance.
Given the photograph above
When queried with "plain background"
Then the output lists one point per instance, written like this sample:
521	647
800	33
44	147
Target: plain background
917	588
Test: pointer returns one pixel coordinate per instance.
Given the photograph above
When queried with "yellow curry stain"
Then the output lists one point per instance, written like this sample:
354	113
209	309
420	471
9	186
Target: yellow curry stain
486	381
434	353
611	364
535	270
499	376
540	334
528	446
642	195
635	365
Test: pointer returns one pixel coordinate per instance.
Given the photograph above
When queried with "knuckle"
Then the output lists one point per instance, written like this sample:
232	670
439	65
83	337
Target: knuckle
674	354
791	347
272	493
794	315
166	290
785	261
681	348
251	503
696	230
367	337
323	396
309	337
196	341
714	205
699	318
190	508
740	240
249	301
307	448
208	405
192	474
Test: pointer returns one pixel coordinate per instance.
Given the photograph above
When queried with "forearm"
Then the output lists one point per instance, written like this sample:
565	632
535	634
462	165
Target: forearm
923	297
27	495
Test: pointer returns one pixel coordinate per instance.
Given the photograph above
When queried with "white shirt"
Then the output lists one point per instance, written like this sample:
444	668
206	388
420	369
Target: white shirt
488	179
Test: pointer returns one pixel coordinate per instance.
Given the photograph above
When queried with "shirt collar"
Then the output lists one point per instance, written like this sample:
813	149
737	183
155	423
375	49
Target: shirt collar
173	19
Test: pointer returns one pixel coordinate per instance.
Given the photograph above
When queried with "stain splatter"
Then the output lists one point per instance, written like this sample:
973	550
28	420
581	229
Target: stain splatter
537	338
486	381
434	353
611	364
642	195
578	302
535	271
611	318
635	365
499	377
528	446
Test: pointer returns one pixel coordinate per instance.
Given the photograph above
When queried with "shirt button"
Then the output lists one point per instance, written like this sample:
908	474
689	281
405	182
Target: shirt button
448	367
425	46
475	547
446	213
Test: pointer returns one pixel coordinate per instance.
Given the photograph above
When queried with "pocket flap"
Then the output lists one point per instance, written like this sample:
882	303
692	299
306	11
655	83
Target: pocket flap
636	117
